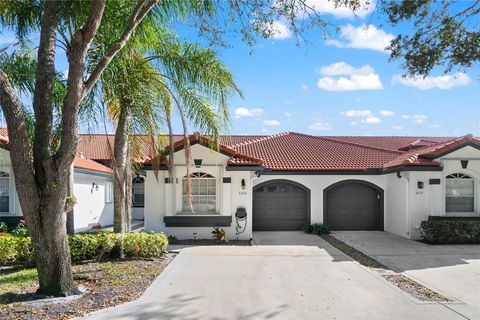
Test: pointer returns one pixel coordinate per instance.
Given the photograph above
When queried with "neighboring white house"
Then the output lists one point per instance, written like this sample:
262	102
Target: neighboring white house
92	188
286	181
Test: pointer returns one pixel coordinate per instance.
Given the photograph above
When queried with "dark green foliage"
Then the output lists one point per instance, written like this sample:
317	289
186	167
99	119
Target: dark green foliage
451	231
219	234
87	246
317	228
446	33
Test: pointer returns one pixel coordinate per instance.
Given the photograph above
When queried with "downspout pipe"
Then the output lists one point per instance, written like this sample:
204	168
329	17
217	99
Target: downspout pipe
407	193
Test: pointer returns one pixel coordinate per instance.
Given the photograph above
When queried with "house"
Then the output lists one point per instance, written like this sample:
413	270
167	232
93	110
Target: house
287	180
92	187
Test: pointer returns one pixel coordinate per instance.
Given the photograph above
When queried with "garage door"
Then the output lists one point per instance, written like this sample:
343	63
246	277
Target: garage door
353	206
280	206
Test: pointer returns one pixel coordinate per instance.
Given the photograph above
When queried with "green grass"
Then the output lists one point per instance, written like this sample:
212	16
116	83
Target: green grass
16	281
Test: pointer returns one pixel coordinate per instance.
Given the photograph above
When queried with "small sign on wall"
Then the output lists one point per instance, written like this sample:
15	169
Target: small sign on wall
242	193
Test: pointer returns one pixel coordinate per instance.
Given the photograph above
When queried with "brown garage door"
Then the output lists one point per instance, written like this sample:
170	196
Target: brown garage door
353	206
280	206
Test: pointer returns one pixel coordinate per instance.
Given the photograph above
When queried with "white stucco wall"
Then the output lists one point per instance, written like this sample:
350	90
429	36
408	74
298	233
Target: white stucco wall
166	199
91	208
14	204
396	204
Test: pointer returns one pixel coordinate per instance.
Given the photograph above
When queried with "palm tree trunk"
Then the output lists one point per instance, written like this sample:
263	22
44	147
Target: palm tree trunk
188	159
120	164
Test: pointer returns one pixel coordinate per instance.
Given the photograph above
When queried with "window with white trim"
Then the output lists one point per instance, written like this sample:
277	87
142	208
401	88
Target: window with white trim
460	193
4	192
138	196
108	192
203	189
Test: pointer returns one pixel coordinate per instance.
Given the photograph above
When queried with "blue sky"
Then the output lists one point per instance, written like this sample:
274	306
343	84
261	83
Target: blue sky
344	85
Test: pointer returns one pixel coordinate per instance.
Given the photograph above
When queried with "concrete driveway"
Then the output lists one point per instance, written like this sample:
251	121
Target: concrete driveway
453	270
286	275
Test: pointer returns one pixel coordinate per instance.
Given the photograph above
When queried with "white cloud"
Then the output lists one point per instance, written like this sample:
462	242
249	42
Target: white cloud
358	113
387	113
371	120
264	130
288	114
444	82
271	122
303	87
362	37
279	31
244	112
324	6
419	118
353	123
405	116
397	127
363	78
319	125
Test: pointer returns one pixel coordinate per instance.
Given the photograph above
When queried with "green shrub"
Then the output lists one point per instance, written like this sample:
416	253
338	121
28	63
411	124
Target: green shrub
145	244
451	231
317	228
16	249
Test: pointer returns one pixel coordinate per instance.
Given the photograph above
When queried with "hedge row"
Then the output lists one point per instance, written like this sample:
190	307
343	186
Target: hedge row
87	246
451	231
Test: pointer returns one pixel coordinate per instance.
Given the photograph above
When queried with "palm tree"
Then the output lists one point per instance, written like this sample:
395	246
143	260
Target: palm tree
150	79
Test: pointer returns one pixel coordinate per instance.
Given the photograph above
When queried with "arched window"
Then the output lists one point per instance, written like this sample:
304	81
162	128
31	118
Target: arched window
460	193
138	194
203	193
4	192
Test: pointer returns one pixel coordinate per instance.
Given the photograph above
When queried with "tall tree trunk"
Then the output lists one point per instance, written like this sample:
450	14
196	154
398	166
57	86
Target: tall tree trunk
120	163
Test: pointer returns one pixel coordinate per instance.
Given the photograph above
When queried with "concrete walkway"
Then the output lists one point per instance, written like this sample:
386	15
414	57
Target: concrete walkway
453	270
286	275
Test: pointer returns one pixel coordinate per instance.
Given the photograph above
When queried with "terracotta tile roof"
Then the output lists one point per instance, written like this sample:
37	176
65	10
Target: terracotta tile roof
387	142
425	156
86	164
299	152
291	151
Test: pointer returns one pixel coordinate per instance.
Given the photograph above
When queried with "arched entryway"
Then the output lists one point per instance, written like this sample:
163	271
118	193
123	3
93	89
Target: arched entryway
280	205
353	205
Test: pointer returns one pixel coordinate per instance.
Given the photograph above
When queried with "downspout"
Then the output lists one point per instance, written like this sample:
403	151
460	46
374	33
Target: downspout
407	191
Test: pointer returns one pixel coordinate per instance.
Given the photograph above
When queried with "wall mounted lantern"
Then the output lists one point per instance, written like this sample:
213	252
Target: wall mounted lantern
243	184
94	187
420	184
198	162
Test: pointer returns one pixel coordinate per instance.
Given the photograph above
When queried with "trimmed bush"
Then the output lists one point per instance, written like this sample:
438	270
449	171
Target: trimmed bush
451	231
87	246
317	228
16	250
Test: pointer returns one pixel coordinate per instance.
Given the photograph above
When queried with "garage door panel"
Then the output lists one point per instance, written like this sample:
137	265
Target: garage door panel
353	206
279	206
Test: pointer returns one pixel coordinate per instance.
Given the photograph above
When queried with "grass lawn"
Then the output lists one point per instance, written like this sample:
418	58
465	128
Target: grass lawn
107	283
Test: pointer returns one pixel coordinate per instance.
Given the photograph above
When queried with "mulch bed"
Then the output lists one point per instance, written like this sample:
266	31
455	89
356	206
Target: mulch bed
356	255
414	288
107	284
210	242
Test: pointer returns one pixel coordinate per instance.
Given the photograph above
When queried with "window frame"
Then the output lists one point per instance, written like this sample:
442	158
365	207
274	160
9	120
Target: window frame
458	176
6	176
108	192
209	197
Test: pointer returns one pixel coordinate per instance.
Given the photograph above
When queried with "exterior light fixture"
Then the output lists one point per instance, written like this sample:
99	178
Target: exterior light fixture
194	236
243	184
420	184
198	162
94	187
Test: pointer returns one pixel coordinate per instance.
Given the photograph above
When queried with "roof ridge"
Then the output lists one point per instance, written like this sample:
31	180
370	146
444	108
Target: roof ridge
264	138
360	145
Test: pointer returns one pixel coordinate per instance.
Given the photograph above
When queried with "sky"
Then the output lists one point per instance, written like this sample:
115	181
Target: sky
342	85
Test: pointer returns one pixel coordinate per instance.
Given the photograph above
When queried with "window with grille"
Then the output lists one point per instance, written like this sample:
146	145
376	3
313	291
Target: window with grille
203	189
4	192
138	197
460	193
